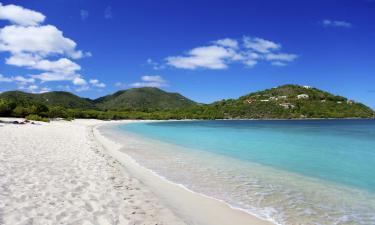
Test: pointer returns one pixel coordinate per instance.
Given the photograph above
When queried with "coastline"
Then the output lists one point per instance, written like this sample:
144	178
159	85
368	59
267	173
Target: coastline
63	172
66	172
194	171
57	173
192	207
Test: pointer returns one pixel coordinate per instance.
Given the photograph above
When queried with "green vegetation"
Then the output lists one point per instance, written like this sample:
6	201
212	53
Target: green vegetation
54	98
284	102
36	118
143	99
292	101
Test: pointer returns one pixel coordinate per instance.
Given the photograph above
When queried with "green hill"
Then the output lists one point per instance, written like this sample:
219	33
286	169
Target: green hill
143	99
283	102
291	101
54	98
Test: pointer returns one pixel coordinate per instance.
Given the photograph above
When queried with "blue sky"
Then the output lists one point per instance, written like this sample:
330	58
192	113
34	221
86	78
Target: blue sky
206	50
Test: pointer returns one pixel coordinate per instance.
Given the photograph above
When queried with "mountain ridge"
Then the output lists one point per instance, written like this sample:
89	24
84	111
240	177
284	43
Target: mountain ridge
283	102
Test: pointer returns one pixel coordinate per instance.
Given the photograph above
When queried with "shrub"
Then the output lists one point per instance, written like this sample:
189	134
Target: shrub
5	108
36	118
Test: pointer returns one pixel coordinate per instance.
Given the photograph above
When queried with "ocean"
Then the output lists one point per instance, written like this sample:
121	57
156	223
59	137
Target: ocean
286	171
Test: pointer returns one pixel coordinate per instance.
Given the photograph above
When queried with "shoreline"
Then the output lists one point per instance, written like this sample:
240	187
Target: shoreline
58	173
190	205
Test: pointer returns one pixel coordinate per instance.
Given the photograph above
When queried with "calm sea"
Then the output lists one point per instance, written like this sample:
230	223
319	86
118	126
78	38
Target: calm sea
291	172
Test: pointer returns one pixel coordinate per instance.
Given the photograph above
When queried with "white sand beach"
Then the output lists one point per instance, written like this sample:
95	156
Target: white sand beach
68	173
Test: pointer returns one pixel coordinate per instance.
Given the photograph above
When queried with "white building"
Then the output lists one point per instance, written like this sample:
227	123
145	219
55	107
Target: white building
302	96
273	98
287	105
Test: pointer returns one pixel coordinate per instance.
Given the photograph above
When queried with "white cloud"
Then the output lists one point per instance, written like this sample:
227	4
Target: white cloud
51	76
79	81
44	90
24	83
32	87
336	23
82	88
84	14
148	78
62	65
278	63
22	80
150	81
41	40
5	79
211	57
223	52
227	42
281	57
39	47
155	65
19	15
260	45
97	83
108	12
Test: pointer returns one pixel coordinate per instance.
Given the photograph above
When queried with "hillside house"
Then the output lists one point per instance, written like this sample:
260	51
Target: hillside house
302	96
287	105
273	98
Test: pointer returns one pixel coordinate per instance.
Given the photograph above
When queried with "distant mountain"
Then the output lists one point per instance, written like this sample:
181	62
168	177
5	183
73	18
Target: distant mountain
292	101
54	98
283	102
146	98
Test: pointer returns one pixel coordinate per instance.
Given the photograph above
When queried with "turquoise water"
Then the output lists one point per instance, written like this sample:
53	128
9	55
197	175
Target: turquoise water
291	172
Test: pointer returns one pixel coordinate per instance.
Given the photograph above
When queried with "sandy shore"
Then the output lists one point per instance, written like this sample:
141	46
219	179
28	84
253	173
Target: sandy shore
68	173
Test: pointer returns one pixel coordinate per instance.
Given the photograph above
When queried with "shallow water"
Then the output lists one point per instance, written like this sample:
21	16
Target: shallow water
292	172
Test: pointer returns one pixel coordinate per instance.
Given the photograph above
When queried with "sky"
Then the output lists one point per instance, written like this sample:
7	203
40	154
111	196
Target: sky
205	50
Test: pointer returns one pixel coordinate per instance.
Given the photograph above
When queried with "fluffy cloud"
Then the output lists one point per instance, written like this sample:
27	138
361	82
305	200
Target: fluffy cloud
44	48
150	81
227	42
33	88
336	23
24	83
79	81
5	79
97	83
20	80
211	57
62	65
222	52
260	45
23	80
41	40
281	57
84	85
155	65
21	16
51	76
44	90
